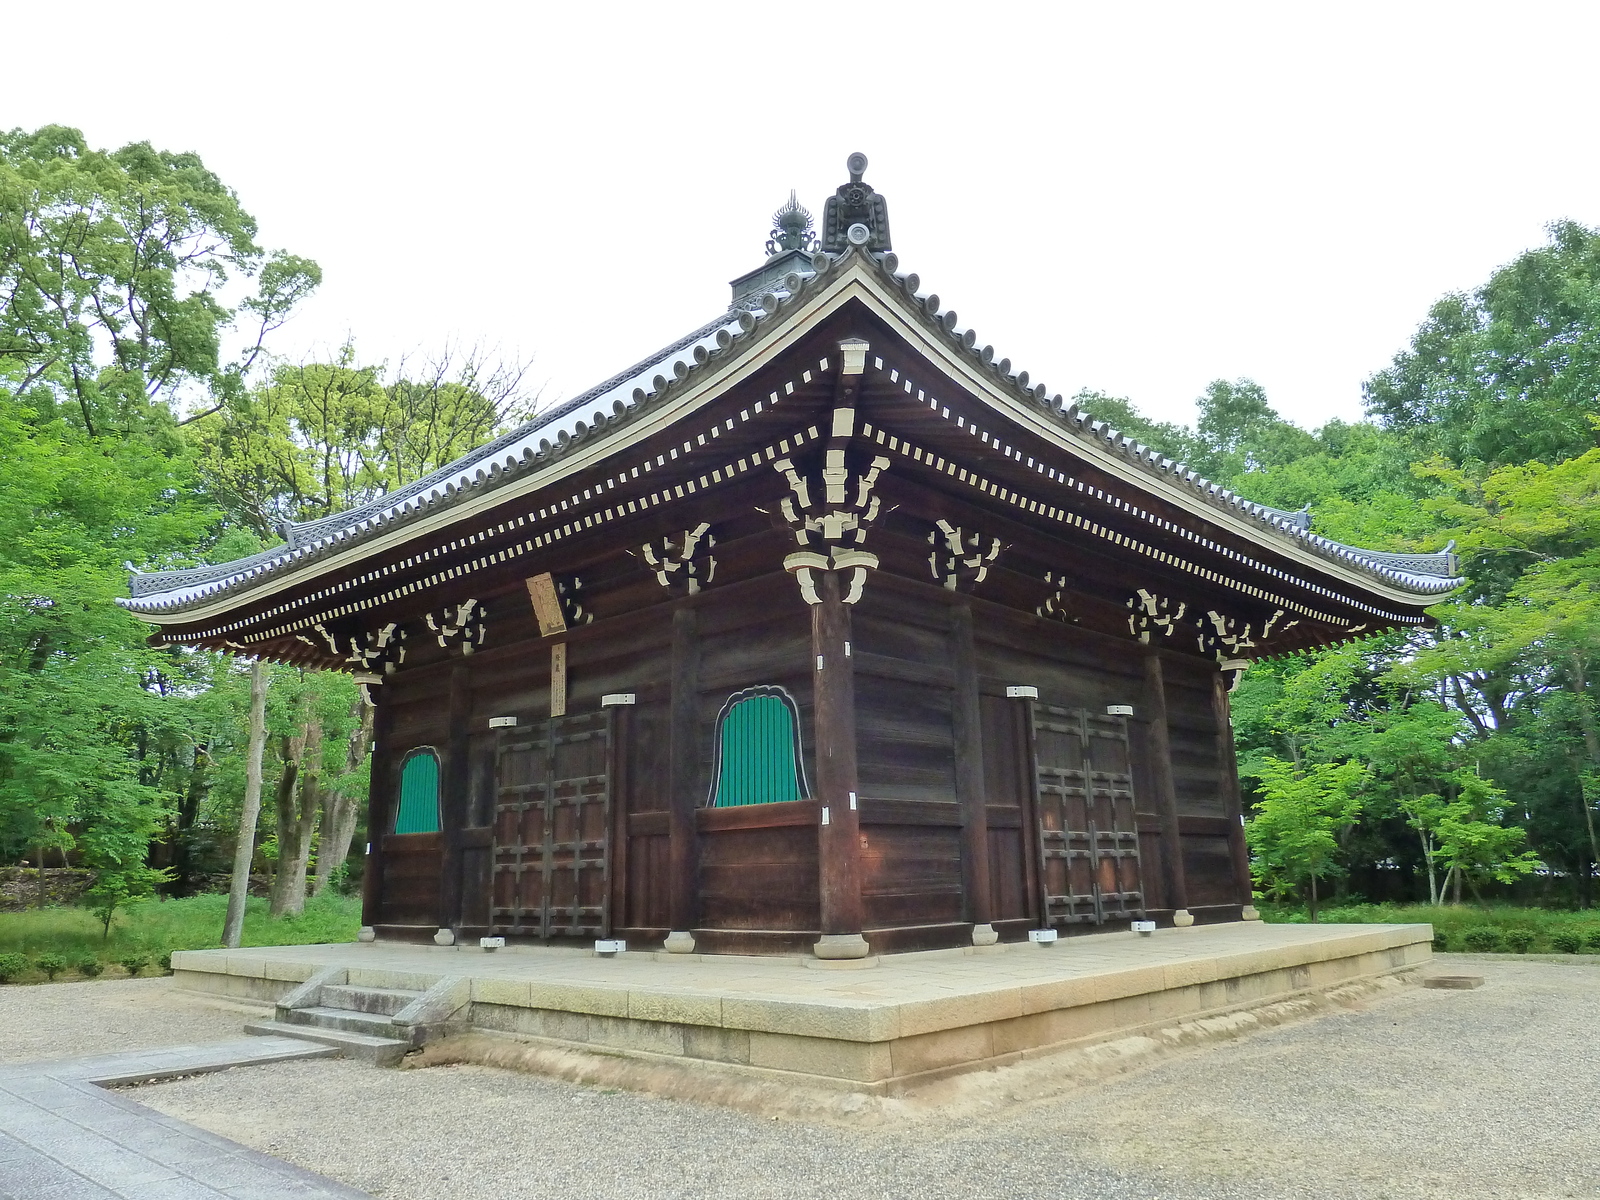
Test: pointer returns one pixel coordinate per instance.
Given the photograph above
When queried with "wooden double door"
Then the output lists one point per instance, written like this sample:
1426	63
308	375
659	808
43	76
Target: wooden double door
551	862
1086	833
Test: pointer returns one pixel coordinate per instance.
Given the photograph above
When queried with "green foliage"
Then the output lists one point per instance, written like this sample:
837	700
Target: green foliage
134	963
155	927
1482	939
89	966
1567	941
1508	374
1292	833
112	271
1519	941
51	965
13	966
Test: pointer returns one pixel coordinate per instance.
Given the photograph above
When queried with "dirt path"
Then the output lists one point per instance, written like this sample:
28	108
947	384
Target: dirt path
56	1020
1487	1093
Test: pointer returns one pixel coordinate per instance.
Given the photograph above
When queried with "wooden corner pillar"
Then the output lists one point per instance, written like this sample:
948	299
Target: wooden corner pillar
1160	745
1228	782
971	795
830	513
683	763
454	790
377	811
834	714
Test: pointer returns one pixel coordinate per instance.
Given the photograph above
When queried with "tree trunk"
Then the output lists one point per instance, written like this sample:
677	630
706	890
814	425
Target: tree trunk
1427	859
298	792
189	812
1591	742
340	810
233	925
1313	899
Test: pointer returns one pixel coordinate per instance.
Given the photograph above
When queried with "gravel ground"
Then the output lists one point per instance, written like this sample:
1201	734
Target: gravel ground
61	1020
1485	1093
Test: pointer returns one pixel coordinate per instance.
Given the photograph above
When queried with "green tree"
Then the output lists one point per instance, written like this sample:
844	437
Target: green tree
1509	373
1292	834
113	266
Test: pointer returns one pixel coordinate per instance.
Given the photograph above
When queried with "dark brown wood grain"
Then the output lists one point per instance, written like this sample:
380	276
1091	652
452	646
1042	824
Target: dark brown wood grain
837	786
1175	890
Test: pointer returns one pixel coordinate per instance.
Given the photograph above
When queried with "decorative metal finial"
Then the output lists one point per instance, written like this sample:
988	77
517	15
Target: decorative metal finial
791	228
855	215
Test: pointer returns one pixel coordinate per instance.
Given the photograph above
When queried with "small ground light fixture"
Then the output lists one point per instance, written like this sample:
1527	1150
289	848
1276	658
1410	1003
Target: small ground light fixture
490	945
1042	937
609	947
1144	928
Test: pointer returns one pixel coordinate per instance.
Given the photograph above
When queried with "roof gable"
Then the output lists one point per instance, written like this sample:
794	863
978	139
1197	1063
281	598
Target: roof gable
675	382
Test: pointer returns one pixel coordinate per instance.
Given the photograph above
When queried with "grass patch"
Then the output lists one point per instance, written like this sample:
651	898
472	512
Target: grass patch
152	929
1468	927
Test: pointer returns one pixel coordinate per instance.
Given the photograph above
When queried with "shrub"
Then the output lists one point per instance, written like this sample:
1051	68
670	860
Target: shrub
1483	939
165	962
1593	940
12	967
51	964
1519	941
134	963
1441	942
90	967
1568	941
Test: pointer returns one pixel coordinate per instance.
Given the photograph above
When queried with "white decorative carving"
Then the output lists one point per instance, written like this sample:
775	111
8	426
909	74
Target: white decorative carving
683	563
964	561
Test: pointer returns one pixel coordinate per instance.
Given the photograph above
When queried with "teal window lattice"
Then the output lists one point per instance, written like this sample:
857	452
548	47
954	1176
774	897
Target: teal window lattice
757	750
419	794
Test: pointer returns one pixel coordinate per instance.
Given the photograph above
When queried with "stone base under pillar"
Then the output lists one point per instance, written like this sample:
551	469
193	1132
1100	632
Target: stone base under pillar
841	945
679	942
984	935
1182	918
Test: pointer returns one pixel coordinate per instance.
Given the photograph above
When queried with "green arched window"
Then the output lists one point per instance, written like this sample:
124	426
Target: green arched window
757	750
418	811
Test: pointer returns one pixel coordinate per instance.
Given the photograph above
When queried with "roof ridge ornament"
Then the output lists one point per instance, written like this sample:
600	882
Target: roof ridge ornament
855	215
791	228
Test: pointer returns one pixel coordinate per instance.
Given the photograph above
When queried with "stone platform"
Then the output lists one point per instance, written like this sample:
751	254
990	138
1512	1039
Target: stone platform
875	1025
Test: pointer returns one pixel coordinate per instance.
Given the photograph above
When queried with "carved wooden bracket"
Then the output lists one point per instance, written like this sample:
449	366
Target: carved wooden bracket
683	563
960	558
380	651
1058	606
461	624
829	515
1154	615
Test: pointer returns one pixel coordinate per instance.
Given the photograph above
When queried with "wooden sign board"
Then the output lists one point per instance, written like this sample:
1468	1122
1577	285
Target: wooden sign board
558	679
546	604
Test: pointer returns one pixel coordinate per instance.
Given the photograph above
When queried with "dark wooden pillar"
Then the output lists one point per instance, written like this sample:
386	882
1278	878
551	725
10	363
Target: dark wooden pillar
834	714
967	728
1228	781
1166	797
684	769
454	789
378	800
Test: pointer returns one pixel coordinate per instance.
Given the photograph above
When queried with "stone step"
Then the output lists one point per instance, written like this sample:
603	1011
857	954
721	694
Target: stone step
371	1024
387	1001
383	1052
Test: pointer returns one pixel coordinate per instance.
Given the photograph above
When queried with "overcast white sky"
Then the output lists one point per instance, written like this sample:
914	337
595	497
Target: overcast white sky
1135	198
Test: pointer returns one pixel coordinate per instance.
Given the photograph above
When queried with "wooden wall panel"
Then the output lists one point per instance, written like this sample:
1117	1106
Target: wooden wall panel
759	879
911	874
1208	867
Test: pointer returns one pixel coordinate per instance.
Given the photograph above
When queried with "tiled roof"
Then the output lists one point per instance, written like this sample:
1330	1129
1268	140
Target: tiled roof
622	398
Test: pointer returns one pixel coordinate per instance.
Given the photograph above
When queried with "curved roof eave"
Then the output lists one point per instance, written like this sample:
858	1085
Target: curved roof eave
1414	580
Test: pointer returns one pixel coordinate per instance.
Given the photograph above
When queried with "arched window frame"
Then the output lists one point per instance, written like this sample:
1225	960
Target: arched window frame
751	693
438	772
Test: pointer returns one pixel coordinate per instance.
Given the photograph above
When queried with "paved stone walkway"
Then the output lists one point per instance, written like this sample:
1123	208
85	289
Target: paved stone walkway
64	1137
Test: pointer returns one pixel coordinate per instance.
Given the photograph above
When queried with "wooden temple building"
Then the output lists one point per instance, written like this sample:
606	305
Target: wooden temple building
823	628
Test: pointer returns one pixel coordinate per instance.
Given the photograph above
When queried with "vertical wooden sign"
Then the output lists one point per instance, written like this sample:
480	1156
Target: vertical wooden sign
558	680
546	604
